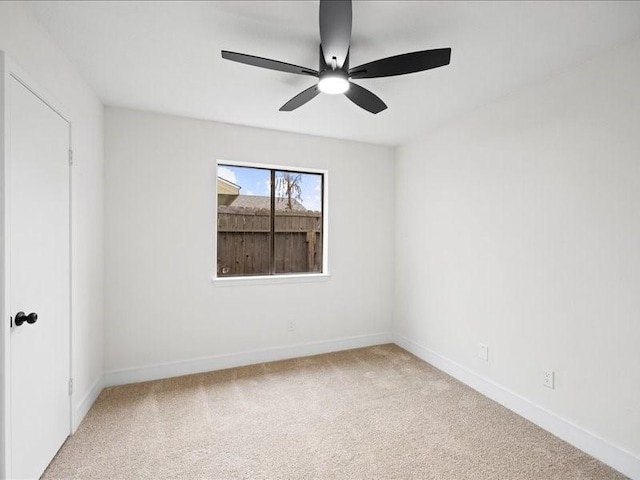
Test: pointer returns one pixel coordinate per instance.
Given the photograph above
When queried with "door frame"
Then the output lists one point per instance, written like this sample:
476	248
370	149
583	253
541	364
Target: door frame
10	70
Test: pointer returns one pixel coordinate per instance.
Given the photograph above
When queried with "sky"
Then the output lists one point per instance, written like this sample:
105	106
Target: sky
255	181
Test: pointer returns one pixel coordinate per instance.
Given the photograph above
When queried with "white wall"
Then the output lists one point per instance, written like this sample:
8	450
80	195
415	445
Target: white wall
24	40
518	226
161	306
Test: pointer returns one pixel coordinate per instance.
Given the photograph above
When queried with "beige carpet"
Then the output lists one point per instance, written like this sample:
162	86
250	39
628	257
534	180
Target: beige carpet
376	412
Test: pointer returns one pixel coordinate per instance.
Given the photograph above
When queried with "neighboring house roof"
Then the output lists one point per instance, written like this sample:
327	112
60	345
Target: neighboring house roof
225	187
256	202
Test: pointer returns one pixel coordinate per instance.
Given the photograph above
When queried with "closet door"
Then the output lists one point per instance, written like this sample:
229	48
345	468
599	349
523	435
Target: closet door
39	270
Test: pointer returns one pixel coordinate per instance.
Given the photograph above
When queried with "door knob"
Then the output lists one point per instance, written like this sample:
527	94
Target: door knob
21	318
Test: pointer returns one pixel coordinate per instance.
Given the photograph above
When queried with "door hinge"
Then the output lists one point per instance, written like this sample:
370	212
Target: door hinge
70	157
70	386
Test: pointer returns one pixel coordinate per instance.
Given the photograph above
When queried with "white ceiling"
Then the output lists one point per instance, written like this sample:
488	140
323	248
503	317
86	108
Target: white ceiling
165	56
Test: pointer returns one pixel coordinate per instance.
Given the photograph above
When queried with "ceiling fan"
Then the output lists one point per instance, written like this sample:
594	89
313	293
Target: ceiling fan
334	75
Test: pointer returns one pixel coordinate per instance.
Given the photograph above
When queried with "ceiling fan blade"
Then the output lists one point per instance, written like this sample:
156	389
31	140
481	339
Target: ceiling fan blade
300	99
335	29
364	98
403	64
267	63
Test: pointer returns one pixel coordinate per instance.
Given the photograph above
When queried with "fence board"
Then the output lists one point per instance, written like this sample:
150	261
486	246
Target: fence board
244	248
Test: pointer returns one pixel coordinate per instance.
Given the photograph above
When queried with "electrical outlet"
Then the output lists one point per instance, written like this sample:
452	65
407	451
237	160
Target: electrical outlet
548	379
291	326
483	352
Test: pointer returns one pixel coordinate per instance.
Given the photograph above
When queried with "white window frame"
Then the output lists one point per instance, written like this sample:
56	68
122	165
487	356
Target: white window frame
283	277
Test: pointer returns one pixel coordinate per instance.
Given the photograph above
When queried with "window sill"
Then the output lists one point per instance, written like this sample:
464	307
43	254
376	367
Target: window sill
270	279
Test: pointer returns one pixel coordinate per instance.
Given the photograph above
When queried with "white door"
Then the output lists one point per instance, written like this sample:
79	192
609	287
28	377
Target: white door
39	237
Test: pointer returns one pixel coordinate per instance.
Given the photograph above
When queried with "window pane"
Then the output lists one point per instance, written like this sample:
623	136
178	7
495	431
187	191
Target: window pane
244	221
298	222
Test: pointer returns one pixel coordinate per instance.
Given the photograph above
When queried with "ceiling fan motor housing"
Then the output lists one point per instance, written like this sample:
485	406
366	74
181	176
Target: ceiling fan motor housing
332	80
323	65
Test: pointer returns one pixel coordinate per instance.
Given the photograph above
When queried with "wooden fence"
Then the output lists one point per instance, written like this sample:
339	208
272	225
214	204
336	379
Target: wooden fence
244	241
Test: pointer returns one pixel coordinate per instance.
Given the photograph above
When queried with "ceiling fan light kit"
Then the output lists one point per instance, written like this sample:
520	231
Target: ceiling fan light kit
333	82
334	75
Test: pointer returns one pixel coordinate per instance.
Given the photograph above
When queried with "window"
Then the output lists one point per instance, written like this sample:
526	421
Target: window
269	221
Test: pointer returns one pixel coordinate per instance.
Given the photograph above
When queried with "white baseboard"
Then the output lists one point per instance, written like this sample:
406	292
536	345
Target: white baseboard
614	456
219	362
85	404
